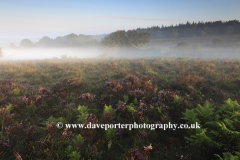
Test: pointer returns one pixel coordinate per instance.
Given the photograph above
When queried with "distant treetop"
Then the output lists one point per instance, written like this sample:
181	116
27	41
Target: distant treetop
131	38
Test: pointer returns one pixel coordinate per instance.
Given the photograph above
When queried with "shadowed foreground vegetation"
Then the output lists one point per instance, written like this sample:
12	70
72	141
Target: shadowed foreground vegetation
35	95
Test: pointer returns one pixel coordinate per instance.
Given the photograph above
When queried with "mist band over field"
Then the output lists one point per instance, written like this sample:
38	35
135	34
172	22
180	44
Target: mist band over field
173	51
35	54
219	40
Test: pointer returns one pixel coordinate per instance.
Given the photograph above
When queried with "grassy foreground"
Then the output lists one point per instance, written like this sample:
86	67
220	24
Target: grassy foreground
35	95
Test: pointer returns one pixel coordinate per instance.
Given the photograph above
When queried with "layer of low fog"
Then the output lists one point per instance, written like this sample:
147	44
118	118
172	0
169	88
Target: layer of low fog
215	40
51	53
208	48
172	51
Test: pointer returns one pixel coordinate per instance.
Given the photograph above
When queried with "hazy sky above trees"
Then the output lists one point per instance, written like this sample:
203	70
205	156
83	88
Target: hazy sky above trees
38	18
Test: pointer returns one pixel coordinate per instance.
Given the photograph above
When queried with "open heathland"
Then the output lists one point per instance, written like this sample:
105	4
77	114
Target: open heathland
35	95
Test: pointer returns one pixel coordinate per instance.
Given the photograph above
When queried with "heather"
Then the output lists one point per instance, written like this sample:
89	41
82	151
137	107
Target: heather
35	95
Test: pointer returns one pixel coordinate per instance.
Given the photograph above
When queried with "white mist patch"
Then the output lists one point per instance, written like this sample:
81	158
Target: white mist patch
36	53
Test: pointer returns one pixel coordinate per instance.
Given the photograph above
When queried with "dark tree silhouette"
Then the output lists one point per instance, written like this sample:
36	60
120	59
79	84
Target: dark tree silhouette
130	38
45	42
26	43
138	39
115	39
194	29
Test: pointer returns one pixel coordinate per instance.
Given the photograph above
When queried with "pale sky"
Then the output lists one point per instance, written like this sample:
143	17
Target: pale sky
38	18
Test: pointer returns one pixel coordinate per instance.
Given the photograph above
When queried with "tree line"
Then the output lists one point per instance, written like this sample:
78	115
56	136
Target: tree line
71	40
139	37
120	38
193	29
131	38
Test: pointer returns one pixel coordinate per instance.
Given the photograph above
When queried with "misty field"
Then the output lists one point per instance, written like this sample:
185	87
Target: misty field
35	95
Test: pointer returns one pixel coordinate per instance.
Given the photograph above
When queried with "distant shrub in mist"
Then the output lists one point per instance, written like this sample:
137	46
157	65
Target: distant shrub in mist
217	41
183	44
